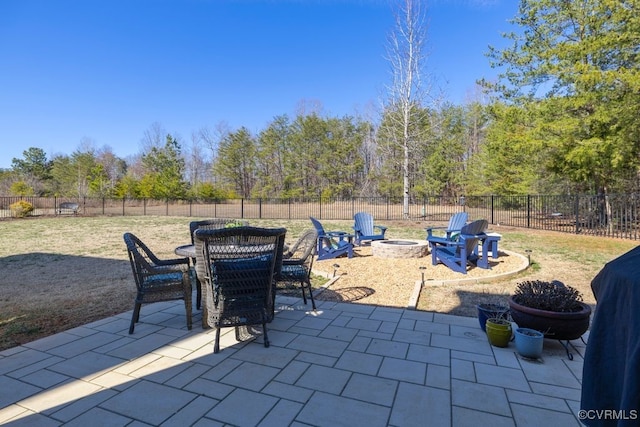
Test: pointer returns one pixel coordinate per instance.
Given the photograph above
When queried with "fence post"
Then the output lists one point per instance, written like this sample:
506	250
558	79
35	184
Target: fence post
242	208
387	207
492	209
577	212
528	211
424	208
260	207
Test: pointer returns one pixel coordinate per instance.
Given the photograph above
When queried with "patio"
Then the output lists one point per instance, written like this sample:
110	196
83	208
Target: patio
346	364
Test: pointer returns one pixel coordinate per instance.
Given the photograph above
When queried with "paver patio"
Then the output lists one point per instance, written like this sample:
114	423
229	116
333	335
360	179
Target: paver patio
344	365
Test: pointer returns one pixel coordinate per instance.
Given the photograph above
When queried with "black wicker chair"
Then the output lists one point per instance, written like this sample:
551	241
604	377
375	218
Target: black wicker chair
297	262
237	268
156	279
209	224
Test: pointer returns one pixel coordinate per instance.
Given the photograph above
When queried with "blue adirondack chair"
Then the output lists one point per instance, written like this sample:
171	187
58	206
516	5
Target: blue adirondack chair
365	230
457	254
452	230
332	244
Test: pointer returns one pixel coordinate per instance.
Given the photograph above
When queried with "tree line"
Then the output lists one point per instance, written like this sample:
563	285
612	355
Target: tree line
561	118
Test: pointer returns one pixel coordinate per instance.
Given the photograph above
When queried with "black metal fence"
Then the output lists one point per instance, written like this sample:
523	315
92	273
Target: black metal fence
616	215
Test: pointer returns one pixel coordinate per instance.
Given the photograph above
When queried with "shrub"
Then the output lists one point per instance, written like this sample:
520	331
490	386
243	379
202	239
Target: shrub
549	296
235	223
21	209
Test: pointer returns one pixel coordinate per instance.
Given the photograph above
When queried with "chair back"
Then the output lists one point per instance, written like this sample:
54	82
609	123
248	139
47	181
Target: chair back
363	223
457	221
316	224
236	267
213	224
302	248
141	258
323	240
470	230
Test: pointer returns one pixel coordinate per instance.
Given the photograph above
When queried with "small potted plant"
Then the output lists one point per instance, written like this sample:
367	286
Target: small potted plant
529	342
499	331
489	310
552	308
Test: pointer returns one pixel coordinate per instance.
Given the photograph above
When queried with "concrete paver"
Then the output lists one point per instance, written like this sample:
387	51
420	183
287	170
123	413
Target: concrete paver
344	364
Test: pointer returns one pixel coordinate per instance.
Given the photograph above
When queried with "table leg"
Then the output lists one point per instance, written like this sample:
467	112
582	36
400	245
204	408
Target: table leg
483	261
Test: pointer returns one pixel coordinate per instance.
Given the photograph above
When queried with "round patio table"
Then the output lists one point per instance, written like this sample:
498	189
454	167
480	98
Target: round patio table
189	251
186	251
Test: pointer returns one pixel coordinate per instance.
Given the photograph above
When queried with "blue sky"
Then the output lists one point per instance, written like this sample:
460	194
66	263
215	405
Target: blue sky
106	70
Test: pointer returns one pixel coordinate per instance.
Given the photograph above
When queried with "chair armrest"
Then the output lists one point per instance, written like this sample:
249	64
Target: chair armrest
169	265
441	241
173	261
380	227
339	234
155	271
429	230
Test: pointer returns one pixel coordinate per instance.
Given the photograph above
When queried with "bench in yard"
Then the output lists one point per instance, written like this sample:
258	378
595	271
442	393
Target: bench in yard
69	208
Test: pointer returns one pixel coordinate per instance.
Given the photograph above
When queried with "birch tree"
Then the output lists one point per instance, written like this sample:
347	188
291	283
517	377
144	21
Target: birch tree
406	53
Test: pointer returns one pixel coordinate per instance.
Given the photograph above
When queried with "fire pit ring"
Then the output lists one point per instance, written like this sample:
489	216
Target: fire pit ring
399	248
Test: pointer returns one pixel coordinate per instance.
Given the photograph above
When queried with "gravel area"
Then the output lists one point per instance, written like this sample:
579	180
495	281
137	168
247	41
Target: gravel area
391	282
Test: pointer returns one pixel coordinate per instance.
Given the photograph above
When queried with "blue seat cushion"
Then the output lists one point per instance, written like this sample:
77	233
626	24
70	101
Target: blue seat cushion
295	272
162	279
242	264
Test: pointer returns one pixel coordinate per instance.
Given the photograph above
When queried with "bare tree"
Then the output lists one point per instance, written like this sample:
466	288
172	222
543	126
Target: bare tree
155	136
195	161
404	112
309	106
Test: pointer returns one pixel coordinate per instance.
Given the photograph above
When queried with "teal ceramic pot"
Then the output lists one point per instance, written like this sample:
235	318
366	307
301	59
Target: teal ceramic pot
529	342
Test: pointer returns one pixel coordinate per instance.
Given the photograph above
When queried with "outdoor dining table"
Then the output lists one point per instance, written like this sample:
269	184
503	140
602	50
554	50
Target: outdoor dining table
189	251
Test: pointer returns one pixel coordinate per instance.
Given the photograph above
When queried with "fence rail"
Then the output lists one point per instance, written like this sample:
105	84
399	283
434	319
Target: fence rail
616	215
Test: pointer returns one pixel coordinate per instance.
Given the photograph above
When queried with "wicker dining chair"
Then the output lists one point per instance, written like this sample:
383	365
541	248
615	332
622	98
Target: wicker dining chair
297	263
209	224
157	280
237	267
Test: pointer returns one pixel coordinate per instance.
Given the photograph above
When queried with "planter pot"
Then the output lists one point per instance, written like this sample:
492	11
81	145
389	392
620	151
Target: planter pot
498	332
529	342
555	325
487	311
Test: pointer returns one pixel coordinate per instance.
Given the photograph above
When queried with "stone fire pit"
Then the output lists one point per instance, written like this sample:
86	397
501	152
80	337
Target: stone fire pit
399	248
